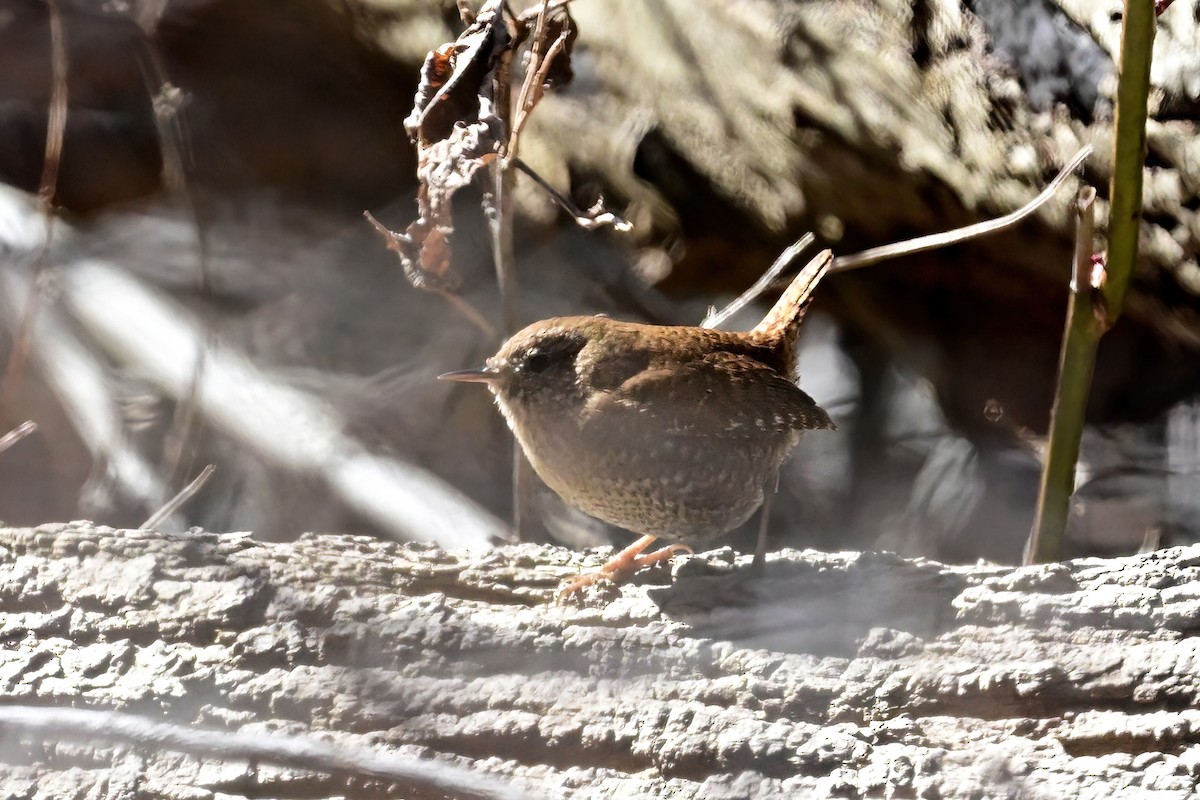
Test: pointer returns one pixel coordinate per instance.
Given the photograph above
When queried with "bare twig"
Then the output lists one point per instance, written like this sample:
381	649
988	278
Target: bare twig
884	252
716	318
395	242
169	102
936	240
419	776
498	205
499	202
524	106
176	502
594	218
56	126
57	118
17	434
553	5
540	63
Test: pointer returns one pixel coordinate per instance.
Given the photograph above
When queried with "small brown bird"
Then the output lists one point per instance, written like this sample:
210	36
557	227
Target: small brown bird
672	432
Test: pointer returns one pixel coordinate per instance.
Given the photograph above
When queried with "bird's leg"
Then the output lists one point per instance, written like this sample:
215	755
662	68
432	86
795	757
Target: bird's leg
624	564
758	565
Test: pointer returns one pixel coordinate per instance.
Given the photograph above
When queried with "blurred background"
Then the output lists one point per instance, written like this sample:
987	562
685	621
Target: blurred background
209	292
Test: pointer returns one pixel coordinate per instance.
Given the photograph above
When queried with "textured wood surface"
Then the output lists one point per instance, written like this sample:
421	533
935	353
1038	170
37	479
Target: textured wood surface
835	675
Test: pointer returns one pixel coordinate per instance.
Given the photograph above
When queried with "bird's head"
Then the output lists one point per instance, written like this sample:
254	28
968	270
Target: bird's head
537	368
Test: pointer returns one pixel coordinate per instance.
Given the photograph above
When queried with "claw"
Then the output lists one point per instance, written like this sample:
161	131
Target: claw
623	565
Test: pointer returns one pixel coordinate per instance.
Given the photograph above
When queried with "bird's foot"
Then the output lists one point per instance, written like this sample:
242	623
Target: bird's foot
623	565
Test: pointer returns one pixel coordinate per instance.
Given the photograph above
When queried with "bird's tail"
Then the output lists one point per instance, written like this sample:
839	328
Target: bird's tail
782	322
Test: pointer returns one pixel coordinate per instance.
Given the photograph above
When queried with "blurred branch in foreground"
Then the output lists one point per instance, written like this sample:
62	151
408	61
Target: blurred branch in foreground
149	335
17	434
416	774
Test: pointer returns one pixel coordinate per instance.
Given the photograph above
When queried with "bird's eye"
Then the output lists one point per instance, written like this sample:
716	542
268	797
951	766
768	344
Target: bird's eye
538	362
548	353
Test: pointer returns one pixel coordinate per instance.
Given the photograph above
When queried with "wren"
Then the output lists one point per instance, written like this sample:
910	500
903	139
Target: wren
672	432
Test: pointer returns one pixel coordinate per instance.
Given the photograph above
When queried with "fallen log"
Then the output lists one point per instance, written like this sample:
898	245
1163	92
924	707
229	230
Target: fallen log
833	675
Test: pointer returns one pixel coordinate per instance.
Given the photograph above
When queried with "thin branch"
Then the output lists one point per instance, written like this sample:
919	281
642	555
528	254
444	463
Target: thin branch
500	218
418	776
500	213
523	105
467	310
169	102
460	305
593	219
17	434
176	502
56	125
498	201
553	5
715	318
533	87
498	207
936	240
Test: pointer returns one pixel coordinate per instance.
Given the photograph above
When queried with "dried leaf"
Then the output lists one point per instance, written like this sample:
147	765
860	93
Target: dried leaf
457	75
560	25
457	133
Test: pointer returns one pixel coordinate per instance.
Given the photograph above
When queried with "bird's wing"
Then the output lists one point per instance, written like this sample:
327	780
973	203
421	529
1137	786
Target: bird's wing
720	395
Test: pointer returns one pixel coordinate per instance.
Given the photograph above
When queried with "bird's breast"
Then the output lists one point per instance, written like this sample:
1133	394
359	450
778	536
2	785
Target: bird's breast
677	487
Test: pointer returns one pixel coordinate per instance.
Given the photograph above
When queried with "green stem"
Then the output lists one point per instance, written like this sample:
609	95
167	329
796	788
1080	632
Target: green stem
1125	192
1096	302
1082	335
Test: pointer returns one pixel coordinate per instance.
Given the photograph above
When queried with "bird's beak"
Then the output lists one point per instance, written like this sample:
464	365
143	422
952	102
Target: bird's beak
471	376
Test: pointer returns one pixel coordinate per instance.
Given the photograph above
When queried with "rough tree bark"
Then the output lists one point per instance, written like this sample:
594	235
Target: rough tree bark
724	130
835	675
